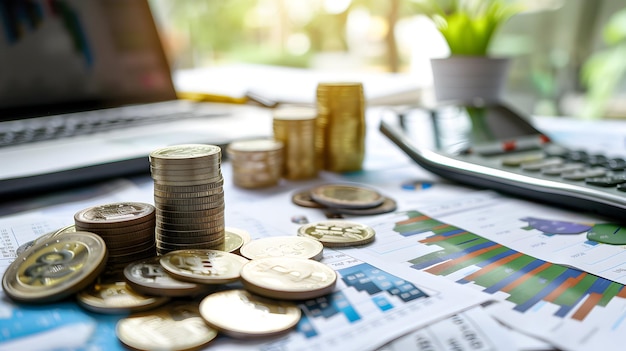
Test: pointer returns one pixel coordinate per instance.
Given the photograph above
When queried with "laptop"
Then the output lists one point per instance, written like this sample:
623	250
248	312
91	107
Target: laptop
86	93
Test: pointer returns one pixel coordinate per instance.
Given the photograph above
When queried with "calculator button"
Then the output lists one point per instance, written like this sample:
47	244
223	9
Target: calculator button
608	181
577	156
596	160
536	166
515	161
554	150
564	168
584	174
615	164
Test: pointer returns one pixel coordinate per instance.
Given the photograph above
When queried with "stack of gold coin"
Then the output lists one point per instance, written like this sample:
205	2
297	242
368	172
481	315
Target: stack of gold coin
127	228
340	127
188	196
256	163
295	128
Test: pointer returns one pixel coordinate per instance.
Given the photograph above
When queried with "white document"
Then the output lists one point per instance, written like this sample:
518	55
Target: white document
371	305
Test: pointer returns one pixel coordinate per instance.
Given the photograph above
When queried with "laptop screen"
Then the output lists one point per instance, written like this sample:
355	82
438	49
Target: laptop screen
69	55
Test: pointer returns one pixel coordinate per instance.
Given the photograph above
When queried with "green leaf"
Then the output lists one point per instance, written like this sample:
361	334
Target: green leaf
467	25
615	29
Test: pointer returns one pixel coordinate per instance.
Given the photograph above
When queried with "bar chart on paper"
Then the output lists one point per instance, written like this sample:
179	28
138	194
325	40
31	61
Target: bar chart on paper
366	290
366	299
527	281
538	290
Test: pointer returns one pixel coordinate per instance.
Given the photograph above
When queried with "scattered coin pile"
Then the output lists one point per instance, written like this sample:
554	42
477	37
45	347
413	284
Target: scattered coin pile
189	197
66	262
340	127
127	228
256	163
347	199
295	128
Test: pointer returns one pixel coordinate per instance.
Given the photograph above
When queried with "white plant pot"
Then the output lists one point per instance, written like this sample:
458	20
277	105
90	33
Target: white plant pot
469	78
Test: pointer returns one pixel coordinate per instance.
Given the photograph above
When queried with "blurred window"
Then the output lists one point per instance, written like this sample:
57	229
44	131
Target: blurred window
550	41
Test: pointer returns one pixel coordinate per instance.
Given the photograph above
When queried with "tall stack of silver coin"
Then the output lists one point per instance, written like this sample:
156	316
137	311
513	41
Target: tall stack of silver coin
127	228
189	197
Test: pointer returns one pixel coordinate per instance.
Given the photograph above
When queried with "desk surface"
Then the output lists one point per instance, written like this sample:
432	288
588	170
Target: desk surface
461	247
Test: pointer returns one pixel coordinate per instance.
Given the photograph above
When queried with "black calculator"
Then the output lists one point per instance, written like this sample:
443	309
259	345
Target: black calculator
495	147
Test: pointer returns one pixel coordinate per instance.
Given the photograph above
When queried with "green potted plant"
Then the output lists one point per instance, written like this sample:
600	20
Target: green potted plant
468	27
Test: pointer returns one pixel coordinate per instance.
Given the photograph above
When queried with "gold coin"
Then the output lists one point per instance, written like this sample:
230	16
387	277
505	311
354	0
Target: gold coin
346	196
242	315
111	296
114	214
55	268
288	278
177	327
304	199
389	205
203	266
233	240
279	246
338	233
244	234
340	126
255	145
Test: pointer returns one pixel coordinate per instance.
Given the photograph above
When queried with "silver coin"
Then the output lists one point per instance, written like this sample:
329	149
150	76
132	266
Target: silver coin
28	245
55	267
176	327
279	246
388	205
148	277
111	296
203	266
185	152
288	278
240	314
189	189
114	214
338	233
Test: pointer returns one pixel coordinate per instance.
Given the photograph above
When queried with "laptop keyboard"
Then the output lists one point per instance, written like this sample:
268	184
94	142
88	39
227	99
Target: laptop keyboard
83	123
